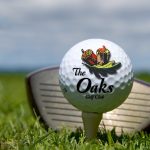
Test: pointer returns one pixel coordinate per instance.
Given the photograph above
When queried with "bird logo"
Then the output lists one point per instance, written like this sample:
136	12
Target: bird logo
99	63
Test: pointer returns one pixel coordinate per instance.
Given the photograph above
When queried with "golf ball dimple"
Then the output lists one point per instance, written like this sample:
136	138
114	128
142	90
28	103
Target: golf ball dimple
97	75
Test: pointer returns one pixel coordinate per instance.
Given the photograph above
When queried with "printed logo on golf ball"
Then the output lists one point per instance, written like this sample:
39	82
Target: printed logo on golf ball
96	75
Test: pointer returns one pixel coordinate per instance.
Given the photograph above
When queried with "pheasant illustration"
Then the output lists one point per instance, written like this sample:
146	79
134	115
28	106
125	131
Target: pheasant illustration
99	63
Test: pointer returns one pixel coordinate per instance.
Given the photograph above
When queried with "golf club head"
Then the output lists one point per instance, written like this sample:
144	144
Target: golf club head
55	111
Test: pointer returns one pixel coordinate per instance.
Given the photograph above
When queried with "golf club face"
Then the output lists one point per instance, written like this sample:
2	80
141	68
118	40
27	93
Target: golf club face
55	111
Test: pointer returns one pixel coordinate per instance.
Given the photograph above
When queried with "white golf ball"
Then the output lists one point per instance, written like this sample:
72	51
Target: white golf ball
96	75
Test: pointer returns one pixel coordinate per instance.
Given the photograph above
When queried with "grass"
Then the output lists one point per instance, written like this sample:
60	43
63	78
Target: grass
19	130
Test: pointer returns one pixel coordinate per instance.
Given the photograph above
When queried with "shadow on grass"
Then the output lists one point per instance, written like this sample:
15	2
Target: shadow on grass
102	134
110	136
76	134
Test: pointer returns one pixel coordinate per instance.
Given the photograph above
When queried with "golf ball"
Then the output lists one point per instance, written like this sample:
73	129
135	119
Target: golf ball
96	75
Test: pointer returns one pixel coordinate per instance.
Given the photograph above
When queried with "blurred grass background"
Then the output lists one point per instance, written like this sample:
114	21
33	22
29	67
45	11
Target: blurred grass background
20	130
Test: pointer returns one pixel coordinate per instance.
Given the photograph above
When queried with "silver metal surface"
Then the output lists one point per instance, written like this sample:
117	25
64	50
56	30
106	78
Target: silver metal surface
46	98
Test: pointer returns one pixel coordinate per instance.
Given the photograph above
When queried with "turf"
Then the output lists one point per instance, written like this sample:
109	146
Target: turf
20	130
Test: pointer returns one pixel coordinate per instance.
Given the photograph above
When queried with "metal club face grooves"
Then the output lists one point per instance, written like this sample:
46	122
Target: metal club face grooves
54	110
31	98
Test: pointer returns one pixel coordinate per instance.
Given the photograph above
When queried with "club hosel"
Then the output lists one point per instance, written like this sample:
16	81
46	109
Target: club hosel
91	122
